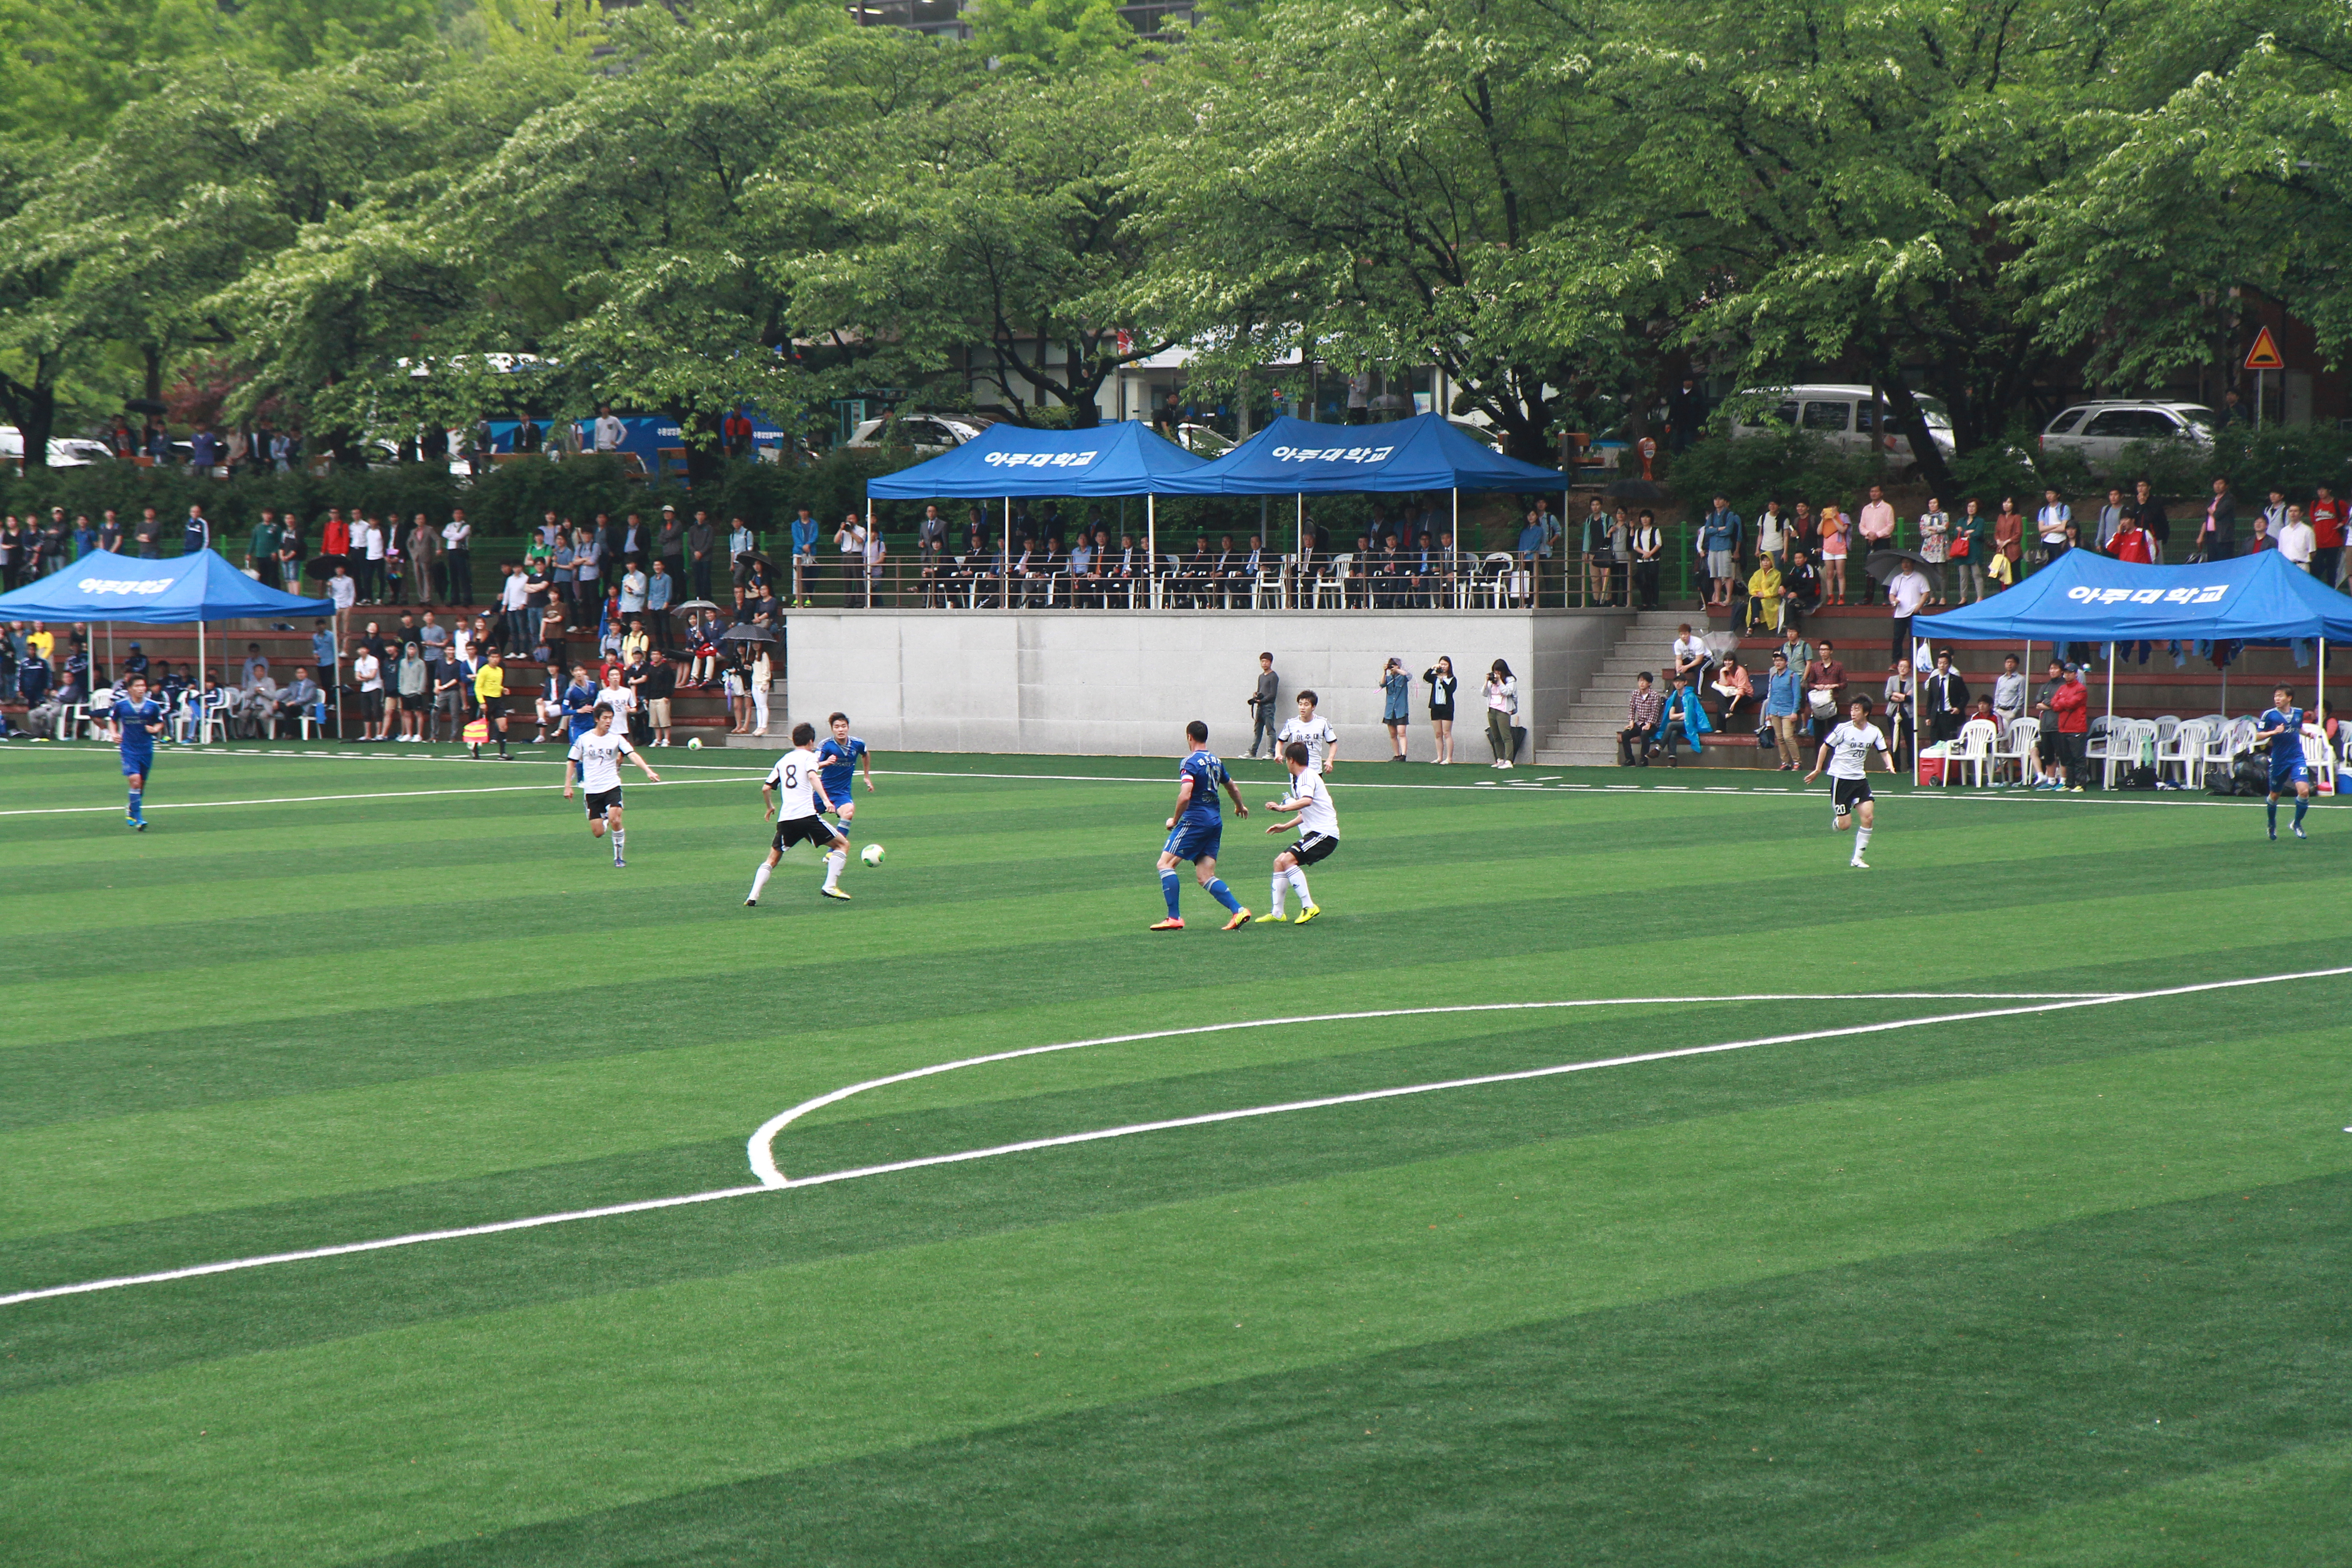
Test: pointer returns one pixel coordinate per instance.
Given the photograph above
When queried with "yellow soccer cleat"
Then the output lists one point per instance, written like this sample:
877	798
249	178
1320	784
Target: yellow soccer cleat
833	893
1276	919
1309	914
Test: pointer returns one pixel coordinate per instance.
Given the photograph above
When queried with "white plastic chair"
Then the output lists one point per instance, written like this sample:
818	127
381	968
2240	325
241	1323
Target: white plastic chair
1498	565
2019	745
2316	753
2166	724
1334	579
2185	748
1268	583
1972	748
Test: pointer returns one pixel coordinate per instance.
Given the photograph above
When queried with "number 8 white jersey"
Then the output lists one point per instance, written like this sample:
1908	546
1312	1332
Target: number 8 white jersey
794	778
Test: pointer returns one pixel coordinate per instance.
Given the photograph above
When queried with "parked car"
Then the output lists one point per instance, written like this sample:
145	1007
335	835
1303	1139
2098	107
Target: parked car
65	451
924	432
2098	432
1850	417
1203	441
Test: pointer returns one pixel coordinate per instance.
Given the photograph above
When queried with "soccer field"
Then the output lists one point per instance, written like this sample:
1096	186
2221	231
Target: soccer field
2000	1228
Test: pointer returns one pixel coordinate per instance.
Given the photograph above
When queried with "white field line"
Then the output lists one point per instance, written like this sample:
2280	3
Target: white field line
772	1180
2170	798
372	794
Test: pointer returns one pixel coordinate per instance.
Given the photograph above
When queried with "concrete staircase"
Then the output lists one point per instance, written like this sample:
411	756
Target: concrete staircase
1588	736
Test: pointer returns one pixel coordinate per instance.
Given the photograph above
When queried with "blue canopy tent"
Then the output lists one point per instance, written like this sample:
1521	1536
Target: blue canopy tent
1426	452
2085	597
1126	458
104	586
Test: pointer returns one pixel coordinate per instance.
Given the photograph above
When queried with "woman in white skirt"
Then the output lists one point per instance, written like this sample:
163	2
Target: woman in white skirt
739	701
759	683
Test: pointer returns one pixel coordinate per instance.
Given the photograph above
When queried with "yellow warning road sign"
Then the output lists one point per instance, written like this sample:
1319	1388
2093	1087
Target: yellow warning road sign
2265	354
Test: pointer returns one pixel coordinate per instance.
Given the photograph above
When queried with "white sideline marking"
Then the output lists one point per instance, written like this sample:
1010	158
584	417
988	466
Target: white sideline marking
307	799
772	1180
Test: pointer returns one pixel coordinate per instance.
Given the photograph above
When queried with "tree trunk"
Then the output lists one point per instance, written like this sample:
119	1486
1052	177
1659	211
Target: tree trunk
1912	420
702	458
38	421
153	354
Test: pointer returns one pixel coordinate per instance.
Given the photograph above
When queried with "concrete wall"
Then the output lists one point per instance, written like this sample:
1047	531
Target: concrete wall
1126	683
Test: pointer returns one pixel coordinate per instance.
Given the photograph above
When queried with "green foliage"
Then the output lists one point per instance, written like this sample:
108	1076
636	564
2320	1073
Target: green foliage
1790	466
1054	39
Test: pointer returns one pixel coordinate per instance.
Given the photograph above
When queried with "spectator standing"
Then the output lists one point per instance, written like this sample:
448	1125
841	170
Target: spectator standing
110	531
1971	542
416	684
1772	535
654	689
2065	707
1825	688
1594	538
1442	684
2296	539
607	432
806	528
1685	414
2112	516
1833	550
701	544
1943	699
1718	539
1502	709
196	533
148	536
2052	525
2218	539
669	544
658	589
761	678
1782	693
1396	705
342	591
1899	710
2131	542
1905	591
2327	542
1644	711
1877	523
424	545
261	550
1935	540
1265	722
514	601
633	590
2008	540
367	674
2008	692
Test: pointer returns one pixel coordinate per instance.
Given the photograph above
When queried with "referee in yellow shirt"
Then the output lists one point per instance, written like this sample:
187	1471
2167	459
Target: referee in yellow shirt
490	694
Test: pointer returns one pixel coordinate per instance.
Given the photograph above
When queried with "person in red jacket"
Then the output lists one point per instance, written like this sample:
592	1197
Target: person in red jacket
2065	708
2133	543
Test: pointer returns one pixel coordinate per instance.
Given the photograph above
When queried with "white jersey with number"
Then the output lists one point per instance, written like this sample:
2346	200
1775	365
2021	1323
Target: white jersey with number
1315	813
1316	732
794	779
1850	745
599	757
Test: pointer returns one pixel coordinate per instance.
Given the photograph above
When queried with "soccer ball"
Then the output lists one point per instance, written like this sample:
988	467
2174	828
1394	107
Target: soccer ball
693	742
871	854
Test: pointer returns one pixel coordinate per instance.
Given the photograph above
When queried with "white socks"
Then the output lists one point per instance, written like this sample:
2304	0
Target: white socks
1281	883
1861	841
760	877
620	836
834	861
1298	880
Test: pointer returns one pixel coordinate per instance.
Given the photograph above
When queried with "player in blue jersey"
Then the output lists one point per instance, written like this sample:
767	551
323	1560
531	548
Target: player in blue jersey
838	760
1193	832
2282	725
138	718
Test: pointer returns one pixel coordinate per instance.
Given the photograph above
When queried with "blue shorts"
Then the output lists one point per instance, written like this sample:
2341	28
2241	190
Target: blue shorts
1195	840
141	763
2287	773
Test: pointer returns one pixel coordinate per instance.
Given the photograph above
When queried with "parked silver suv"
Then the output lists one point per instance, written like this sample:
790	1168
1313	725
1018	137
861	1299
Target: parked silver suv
2098	432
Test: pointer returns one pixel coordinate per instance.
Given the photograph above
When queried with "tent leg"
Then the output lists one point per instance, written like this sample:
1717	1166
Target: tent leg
1151	545
2107	773
1005	558
2319	712
200	683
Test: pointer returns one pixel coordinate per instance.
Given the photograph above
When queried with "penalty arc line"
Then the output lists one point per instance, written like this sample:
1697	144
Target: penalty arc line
2094	999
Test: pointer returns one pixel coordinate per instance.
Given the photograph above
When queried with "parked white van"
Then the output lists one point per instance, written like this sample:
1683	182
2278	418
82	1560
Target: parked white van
1847	417
2098	432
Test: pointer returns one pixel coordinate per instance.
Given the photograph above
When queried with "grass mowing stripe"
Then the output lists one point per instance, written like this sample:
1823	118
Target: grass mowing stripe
122	1333
2283	1512
638	1394
2117	1391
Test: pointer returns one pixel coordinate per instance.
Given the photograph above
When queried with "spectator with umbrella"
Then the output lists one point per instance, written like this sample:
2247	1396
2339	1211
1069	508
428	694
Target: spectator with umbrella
758	672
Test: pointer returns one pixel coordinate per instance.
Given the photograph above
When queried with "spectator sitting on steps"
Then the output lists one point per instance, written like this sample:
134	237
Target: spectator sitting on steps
1643	712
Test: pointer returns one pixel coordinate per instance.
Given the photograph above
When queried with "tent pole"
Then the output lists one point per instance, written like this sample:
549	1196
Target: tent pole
2108	773
2319	712
200	683
1457	527
1004	557
1151	545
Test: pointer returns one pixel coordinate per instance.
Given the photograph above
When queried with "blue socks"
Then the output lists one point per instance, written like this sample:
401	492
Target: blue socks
1224	895
1168	885
2302	804
135	797
2272	804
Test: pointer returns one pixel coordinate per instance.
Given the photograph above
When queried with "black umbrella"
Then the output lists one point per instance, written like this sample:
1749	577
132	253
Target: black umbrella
323	567
694	604
1637	489
143	405
747	633
1884	563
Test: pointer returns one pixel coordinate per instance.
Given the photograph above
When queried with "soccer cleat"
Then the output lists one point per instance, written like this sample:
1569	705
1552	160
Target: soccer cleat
1859	864
618	863
1171	923
2299	833
1309	914
2274	835
139	824
1278	917
1241	918
750	903
834	893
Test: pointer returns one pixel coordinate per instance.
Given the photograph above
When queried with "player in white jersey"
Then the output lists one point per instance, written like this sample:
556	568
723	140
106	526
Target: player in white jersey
595	762
1845	751
1322	740
798	779
1310	798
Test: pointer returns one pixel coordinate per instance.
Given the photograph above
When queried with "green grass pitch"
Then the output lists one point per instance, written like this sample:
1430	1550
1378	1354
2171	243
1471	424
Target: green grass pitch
2061	1287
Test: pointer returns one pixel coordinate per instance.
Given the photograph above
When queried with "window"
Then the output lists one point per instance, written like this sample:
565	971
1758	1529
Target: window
1828	416
2064	422
2122	424
1787	413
